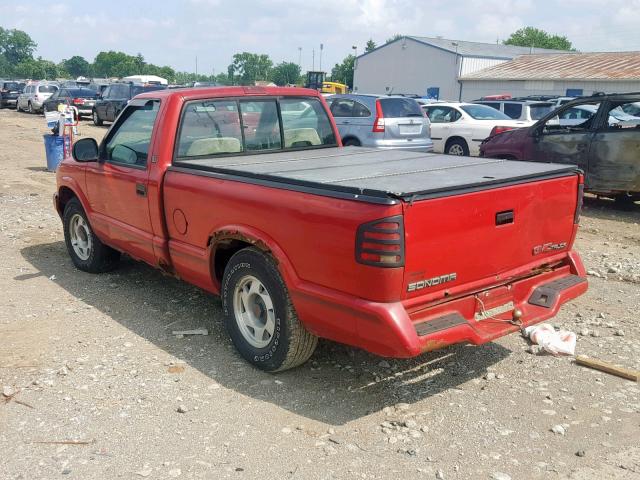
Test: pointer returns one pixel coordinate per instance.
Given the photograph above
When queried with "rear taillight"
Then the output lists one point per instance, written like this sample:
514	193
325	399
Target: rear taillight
381	243
78	101
580	200
498	129
378	123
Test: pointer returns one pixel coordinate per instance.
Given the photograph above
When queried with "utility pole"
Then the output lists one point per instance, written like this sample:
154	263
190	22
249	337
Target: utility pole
321	48
313	59
196	65
300	57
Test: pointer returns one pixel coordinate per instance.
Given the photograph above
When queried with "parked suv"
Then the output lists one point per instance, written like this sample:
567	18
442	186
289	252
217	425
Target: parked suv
381	122
9	91
523	110
602	140
34	95
115	97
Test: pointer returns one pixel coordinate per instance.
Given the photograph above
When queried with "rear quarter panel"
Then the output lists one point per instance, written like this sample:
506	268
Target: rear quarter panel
315	233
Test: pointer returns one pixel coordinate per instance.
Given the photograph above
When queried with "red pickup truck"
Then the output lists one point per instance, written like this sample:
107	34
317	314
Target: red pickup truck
247	193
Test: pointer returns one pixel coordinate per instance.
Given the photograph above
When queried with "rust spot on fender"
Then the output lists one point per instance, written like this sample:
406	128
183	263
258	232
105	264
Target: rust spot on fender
432	345
227	236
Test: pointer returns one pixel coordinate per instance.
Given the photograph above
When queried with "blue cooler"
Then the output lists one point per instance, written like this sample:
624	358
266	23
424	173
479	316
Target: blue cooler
54	149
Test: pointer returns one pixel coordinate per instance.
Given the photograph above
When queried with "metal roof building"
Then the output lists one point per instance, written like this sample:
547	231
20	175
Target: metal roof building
567	73
428	66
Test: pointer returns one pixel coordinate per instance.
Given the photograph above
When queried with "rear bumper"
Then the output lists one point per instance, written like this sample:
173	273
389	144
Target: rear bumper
402	331
413	145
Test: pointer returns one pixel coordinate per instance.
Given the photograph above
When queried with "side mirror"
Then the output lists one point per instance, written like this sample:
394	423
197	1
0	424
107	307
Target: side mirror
85	150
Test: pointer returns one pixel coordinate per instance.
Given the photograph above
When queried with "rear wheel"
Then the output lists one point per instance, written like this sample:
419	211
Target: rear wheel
29	108
86	250
96	119
625	200
351	142
259	315
457	147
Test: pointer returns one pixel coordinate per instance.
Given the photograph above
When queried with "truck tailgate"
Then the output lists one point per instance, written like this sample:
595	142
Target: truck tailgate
460	240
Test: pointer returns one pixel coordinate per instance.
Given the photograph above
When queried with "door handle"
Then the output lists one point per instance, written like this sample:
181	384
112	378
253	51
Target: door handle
141	189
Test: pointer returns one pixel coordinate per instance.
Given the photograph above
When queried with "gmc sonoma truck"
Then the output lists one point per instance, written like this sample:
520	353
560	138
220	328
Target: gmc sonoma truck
246	192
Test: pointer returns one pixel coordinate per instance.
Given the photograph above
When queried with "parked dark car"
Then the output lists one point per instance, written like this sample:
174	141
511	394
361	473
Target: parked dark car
115	97
604	142
81	99
9	91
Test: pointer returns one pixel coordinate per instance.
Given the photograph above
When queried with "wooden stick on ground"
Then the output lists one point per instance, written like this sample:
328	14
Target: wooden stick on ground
606	367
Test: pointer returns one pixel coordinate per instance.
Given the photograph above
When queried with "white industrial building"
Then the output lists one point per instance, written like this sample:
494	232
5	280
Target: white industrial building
428	66
570	74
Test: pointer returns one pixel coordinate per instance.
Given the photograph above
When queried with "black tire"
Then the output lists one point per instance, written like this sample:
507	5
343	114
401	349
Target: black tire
96	119
291	344
625	200
100	257
457	147
351	142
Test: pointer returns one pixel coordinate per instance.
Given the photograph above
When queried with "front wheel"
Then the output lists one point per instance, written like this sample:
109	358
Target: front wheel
86	250
29	108
259	315
458	147
96	119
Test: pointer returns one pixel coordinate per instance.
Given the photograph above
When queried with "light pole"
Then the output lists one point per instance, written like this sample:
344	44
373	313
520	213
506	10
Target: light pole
300	57
321	48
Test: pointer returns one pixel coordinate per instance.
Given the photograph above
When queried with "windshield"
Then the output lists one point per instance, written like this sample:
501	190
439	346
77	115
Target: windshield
539	110
137	89
47	88
482	112
82	93
400	107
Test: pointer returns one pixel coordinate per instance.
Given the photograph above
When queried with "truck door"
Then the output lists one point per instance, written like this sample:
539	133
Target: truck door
614	163
565	140
117	184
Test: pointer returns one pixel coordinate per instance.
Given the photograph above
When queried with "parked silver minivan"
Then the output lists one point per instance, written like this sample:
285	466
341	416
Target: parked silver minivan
381	121
34	95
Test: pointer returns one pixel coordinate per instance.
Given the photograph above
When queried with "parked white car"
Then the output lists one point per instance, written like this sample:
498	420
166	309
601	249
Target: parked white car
459	128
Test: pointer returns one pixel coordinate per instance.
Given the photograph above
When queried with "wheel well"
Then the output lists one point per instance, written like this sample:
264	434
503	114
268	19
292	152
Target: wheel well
450	140
225	248
64	195
350	137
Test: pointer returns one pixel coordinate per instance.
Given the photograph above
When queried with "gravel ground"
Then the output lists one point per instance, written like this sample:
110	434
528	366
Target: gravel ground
95	386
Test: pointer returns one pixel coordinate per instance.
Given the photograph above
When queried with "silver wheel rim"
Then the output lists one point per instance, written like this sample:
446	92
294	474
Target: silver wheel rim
80	236
254	312
456	149
95	117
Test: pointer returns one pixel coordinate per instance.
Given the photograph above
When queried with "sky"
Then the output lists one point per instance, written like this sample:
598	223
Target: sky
175	32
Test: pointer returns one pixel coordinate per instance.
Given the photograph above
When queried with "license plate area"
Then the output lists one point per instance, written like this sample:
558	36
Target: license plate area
410	129
494	303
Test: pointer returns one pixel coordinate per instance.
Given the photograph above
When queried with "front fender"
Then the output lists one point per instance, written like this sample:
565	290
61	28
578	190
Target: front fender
69	182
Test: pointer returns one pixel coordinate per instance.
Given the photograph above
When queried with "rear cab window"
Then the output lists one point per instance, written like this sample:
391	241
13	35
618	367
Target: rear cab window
252	125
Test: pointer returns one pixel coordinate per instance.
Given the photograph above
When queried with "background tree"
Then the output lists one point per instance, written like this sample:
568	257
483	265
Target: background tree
77	66
249	67
285	73
371	45
16	46
343	72
536	38
395	37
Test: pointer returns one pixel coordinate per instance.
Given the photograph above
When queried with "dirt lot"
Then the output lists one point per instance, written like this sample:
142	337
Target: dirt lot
99	378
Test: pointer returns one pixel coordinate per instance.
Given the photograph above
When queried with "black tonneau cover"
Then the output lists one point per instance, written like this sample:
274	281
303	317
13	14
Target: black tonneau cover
374	175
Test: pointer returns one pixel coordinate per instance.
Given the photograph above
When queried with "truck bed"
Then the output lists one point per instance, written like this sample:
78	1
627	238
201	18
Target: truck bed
380	176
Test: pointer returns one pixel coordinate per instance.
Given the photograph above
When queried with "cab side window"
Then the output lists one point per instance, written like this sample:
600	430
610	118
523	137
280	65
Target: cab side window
575	119
128	143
